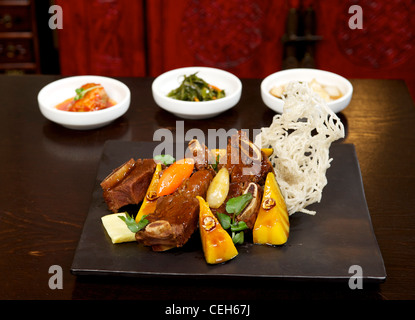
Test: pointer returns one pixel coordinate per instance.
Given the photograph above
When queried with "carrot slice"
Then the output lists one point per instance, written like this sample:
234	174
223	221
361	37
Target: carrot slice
174	175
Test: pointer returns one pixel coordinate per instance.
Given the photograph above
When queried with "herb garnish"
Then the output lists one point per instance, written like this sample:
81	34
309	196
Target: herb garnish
80	92
132	224
165	159
215	165
235	206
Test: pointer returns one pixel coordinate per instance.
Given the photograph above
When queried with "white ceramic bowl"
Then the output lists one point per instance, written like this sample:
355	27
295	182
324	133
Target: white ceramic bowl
170	80
300	74
60	90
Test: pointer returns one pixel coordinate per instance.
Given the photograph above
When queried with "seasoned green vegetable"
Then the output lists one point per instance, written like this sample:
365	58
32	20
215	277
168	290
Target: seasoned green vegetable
194	88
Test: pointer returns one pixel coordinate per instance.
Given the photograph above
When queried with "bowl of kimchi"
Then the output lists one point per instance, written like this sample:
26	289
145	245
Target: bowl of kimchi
84	102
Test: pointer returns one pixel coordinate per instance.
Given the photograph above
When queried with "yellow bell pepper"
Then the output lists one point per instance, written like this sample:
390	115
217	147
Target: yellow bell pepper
267	151
149	203
217	244
272	225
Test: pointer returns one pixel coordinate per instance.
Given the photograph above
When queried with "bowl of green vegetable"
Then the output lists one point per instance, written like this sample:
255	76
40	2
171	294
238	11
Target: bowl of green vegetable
196	92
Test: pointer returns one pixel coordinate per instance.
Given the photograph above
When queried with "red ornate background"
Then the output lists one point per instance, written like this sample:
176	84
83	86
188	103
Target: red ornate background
148	37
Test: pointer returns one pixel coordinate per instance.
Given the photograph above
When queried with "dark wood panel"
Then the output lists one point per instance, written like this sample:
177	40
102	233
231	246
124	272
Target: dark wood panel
16	50
19	43
15	17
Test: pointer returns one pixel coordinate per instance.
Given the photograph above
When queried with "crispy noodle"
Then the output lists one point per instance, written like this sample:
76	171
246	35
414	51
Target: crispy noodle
301	138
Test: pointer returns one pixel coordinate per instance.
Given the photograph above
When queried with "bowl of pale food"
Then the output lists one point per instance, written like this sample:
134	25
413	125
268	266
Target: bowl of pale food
332	88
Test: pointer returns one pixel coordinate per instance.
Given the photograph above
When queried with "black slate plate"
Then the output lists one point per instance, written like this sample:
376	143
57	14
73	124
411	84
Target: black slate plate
321	247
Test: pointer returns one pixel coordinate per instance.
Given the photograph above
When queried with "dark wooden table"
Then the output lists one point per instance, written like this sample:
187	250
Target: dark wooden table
48	173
